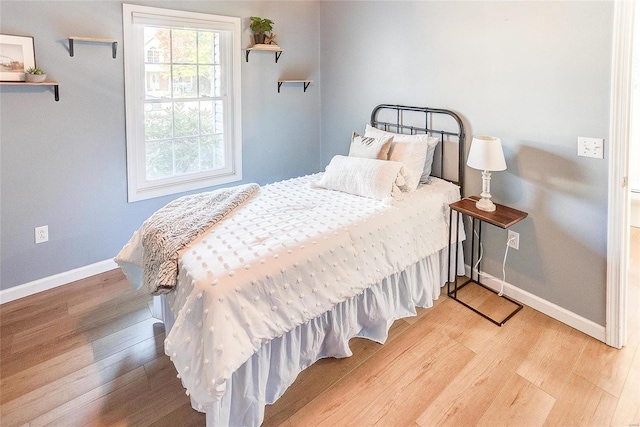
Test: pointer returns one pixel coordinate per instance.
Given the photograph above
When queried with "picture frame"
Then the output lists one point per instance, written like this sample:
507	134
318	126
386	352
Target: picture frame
17	54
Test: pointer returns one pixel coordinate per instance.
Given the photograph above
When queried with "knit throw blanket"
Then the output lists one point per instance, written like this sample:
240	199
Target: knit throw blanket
176	225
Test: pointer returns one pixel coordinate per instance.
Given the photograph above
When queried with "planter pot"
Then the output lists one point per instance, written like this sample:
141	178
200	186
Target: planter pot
35	78
259	38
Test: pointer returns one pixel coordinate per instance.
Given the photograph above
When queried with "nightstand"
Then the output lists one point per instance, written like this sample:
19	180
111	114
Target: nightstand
503	217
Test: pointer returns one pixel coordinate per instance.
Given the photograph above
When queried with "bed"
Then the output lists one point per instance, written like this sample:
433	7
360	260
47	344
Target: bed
302	266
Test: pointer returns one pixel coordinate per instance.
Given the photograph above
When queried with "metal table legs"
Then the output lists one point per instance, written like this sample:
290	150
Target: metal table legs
452	291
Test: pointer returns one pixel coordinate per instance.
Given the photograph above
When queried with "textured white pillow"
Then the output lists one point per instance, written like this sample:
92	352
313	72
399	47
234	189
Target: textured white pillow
431	142
376	179
413	156
370	147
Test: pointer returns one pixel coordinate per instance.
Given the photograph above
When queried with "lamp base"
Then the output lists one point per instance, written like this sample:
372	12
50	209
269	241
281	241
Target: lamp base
485	205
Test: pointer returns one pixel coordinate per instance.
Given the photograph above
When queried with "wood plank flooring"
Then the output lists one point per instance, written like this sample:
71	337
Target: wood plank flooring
89	353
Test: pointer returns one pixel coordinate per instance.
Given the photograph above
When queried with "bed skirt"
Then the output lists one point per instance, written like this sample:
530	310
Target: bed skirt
274	367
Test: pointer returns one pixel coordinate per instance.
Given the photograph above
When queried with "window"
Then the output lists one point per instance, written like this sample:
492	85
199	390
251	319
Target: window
152	54
182	83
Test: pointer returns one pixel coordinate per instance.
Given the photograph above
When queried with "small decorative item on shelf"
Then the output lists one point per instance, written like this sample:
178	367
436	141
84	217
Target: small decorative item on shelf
260	26
271	39
35	75
17	53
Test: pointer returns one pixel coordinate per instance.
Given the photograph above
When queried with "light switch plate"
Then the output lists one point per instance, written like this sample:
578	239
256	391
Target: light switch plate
591	147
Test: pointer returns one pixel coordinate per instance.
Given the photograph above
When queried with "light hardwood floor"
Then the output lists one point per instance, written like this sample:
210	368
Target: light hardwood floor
89	353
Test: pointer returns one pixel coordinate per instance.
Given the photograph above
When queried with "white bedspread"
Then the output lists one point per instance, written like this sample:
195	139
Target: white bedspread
283	258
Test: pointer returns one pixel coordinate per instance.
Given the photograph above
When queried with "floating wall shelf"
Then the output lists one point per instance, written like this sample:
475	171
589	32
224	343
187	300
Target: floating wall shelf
265	48
114	43
54	84
305	83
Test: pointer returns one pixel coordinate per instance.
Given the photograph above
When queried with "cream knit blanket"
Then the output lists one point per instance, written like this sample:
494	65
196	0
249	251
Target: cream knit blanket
177	224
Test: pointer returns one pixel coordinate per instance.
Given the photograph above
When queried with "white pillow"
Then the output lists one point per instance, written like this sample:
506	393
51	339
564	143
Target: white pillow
369	147
373	178
431	141
413	155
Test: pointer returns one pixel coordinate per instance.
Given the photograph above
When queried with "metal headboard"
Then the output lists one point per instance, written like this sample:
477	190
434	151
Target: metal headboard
455	129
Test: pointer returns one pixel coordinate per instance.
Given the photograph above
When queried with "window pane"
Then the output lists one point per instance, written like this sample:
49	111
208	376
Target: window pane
157	81
206	117
218	117
185	84
159	159
208	47
187	155
158	121
156	45
211	117
209	80
183	44
211	152
185	116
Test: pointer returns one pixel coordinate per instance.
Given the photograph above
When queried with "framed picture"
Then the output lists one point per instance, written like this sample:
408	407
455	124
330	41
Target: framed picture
17	54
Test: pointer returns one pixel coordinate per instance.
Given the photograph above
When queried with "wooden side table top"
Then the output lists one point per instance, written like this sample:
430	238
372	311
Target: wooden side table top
503	216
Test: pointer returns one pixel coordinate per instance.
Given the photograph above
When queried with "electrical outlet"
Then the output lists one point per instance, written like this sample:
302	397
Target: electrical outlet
513	240
42	234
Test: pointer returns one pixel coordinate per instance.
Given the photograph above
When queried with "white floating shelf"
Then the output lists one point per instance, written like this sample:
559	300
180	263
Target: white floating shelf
305	83
265	48
113	42
56	94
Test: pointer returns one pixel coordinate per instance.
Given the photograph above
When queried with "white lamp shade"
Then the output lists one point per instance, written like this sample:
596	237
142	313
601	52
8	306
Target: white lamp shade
486	154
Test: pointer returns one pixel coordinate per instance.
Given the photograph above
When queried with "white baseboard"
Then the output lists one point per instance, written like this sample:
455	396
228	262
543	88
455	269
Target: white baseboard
550	309
26	289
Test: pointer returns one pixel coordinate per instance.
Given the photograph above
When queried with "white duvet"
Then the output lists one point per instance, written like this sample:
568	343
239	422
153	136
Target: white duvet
289	254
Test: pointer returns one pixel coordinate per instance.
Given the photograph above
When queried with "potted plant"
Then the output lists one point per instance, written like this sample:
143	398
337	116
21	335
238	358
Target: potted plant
260	26
35	75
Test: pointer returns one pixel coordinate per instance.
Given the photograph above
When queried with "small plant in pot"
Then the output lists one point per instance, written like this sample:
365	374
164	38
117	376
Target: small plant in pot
35	75
260	26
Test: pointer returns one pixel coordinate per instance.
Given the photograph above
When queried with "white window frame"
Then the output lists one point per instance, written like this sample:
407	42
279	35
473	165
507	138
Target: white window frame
134	17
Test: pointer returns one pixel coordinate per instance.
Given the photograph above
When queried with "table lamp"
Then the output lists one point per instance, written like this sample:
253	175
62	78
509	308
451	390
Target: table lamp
486	155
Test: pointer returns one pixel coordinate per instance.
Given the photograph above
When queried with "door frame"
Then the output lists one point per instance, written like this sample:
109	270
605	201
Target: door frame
618	200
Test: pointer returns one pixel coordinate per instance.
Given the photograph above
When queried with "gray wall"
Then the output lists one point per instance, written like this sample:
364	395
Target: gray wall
64	163
535	74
